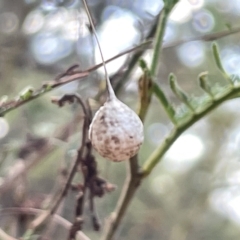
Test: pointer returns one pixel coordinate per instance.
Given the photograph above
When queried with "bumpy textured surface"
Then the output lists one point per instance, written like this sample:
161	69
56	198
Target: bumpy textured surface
116	131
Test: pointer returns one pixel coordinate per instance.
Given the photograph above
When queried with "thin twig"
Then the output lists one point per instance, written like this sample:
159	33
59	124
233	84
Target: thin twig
96	187
60	80
13	104
95	221
40	220
209	37
77	225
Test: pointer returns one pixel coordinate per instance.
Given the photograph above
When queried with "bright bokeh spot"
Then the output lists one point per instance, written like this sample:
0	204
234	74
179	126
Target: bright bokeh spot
33	22
117	34
234	209
223	5
236	7
156	132
147	9
4	127
184	9
203	21
30	1
234	178
227	203
182	12
48	48
170	32
44	128
8	22
191	54
231	59
110	11
196	4
72	30
48	5
56	19
75	26
184	153
162	184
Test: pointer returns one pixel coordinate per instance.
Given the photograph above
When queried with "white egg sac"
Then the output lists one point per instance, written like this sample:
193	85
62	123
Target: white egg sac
116	132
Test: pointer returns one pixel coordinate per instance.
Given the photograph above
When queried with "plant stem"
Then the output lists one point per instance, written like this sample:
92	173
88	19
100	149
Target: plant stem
134	178
130	186
155	63
218	62
159	39
157	155
165	103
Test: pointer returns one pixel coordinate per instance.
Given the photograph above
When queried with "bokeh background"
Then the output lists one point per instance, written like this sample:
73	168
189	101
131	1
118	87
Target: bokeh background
194	192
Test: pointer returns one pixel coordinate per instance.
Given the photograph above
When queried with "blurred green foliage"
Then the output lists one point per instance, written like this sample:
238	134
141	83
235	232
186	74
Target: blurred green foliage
200	201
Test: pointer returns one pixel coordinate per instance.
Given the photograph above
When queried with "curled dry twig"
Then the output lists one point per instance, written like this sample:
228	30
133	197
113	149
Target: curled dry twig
96	185
43	217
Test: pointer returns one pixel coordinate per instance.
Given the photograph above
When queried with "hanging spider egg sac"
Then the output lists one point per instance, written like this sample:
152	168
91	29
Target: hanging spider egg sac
116	131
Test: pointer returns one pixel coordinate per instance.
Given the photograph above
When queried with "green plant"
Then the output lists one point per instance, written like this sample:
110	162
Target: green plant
192	110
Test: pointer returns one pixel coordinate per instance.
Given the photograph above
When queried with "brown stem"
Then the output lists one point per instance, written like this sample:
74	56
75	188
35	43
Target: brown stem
132	183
